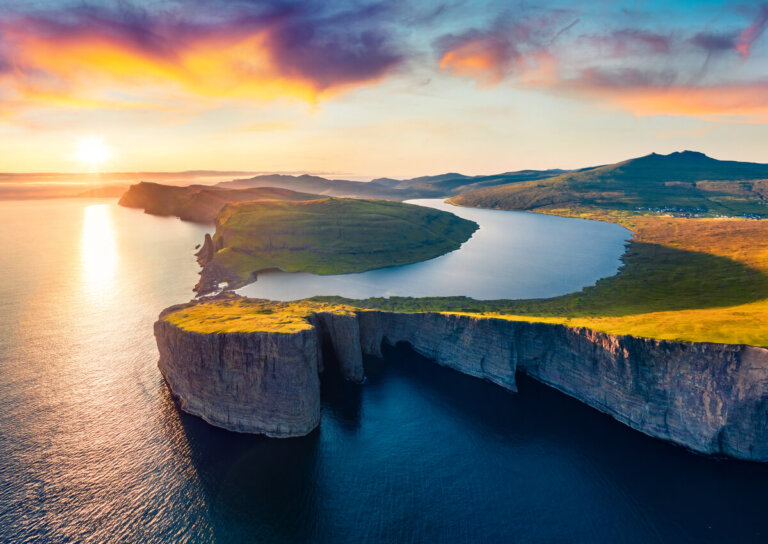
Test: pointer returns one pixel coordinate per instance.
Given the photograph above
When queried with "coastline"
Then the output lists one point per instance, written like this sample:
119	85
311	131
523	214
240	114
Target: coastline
707	397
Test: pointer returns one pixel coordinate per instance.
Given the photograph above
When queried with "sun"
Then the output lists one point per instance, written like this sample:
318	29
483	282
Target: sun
93	152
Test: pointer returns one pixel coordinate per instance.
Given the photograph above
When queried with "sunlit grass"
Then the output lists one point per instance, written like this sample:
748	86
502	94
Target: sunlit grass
696	280
332	235
241	315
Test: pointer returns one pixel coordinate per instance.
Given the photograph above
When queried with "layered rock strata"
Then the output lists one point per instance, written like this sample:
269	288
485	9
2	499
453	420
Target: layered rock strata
711	398
264	383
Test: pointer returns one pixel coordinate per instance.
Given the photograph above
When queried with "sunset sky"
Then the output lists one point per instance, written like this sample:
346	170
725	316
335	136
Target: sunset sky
379	89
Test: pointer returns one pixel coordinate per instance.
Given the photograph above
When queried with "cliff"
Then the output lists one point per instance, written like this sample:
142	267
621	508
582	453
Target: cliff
263	383
711	398
206	252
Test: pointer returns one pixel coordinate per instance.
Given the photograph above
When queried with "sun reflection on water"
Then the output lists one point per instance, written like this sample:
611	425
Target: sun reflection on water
98	248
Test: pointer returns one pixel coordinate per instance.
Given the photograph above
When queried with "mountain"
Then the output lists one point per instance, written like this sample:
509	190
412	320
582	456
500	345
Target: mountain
439	186
201	203
447	184
685	182
323	186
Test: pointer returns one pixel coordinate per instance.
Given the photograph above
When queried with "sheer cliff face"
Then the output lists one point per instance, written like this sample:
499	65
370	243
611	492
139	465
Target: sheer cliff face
251	383
477	347
710	398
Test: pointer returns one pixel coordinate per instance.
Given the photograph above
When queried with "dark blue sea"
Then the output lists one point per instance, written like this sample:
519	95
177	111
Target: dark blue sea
92	448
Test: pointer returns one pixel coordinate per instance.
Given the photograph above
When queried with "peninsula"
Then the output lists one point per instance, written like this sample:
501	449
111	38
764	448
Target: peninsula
324	236
673	346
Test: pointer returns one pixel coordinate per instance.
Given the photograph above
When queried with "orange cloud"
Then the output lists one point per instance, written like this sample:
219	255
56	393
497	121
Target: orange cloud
127	59
479	59
748	102
648	93
641	71
485	63
753	31
80	70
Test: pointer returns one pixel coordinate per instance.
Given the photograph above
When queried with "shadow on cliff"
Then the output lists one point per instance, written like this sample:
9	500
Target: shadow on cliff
425	439
341	400
267	488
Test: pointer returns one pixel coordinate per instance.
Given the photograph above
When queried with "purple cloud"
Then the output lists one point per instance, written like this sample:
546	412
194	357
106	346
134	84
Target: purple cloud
307	41
753	31
630	41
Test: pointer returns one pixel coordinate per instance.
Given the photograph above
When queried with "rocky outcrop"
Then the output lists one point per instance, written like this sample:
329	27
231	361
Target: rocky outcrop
477	347
711	398
212	275
342	332
206	253
251	383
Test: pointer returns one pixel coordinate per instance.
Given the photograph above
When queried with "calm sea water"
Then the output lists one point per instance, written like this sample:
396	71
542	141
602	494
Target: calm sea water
93	449
512	255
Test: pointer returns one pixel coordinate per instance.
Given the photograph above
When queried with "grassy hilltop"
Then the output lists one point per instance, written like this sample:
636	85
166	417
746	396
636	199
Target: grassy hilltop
686	183
332	235
696	280
684	278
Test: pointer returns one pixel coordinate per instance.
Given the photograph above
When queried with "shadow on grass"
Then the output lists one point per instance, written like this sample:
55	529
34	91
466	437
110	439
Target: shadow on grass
658	278
654	278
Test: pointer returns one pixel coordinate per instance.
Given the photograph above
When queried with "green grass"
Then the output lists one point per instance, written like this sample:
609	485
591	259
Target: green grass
696	280
198	203
684	183
687	279
239	315
703	280
655	278
332	235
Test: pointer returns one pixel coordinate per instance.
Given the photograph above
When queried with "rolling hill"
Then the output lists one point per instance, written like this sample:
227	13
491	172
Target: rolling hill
325	236
683	183
201	203
439	186
198	203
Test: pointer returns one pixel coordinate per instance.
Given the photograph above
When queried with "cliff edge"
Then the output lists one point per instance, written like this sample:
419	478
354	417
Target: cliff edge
251	366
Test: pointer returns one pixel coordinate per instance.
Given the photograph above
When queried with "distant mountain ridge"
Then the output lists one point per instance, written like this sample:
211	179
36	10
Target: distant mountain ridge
318	185
439	186
201	203
686	182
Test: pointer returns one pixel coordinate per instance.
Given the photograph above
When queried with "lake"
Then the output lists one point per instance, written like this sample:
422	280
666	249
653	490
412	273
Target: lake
512	255
92	448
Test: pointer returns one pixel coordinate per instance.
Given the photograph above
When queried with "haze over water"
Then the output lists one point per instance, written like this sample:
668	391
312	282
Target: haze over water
94	449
